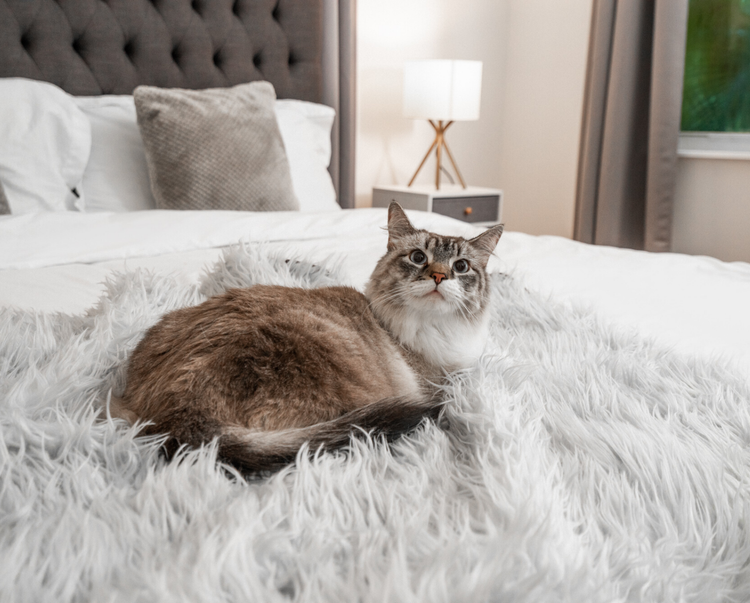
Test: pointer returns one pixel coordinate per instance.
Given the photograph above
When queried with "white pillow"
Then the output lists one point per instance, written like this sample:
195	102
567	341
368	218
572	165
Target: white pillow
306	132
116	177
44	146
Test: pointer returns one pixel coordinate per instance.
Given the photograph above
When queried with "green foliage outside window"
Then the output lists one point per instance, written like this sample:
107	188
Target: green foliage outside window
716	93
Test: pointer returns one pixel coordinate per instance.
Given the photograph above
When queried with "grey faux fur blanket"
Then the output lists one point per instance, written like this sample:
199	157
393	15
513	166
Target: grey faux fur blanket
579	464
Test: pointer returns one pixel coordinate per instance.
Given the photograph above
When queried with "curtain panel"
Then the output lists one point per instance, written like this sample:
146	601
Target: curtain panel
631	123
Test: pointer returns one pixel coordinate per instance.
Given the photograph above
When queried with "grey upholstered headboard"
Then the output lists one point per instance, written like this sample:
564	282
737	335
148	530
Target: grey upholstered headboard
305	48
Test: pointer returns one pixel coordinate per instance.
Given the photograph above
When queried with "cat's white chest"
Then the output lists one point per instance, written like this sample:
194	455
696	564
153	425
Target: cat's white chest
448	342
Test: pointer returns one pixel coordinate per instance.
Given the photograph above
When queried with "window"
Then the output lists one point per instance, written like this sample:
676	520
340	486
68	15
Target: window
716	92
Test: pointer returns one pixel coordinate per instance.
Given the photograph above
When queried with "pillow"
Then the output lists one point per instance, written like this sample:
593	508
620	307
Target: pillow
218	148
306	131
116	176
46	141
4	207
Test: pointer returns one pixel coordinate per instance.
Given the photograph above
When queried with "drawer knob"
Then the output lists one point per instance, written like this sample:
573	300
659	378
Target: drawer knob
467	211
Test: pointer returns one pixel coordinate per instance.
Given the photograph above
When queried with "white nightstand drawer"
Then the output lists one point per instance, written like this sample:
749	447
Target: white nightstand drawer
471	204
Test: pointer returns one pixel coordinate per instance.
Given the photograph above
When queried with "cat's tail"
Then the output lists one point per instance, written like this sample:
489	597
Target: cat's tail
252	451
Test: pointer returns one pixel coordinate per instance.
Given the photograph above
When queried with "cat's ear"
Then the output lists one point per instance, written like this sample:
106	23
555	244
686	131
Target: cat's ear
486	242
398	225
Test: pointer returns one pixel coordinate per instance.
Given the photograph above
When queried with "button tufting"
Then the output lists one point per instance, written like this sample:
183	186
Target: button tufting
114	38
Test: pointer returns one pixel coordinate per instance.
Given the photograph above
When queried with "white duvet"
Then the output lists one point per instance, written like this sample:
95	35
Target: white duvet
579	463
58	262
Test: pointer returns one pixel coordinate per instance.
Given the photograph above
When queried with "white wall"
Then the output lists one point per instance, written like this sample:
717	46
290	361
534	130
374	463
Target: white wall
526	141
712	208
544	87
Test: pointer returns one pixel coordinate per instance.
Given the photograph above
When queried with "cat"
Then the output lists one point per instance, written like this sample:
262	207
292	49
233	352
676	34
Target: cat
266	368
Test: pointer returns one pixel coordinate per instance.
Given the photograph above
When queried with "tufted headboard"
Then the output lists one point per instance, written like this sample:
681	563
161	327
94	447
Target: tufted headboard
305	48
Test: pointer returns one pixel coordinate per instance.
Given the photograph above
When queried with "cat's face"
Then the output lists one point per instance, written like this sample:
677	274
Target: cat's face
426	272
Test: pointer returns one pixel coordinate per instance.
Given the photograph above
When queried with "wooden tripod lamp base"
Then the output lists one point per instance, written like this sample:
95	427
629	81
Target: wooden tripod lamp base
439	144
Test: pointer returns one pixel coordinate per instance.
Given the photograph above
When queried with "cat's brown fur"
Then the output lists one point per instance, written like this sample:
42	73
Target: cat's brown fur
267	368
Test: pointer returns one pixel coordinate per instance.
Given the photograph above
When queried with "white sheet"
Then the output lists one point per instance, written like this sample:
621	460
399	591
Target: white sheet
58	262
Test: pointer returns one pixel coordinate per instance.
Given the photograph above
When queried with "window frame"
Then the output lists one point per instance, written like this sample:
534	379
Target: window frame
714	145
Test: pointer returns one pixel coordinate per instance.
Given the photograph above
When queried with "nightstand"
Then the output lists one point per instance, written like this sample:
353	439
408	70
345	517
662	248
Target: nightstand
481	206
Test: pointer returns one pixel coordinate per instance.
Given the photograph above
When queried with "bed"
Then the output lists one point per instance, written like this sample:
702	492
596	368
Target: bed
598	452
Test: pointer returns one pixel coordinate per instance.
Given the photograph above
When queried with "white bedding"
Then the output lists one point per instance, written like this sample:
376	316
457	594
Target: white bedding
59	262
578	463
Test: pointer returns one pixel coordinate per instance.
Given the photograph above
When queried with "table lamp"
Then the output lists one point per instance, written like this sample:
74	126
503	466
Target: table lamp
442	92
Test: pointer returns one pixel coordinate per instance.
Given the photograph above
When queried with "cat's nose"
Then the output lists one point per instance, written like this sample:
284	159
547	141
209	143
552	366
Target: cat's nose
438	276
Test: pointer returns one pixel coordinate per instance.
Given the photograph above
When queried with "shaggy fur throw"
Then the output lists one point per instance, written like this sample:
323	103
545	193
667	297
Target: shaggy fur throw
577	463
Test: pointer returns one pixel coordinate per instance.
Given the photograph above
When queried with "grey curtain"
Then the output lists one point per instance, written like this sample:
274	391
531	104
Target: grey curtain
340	91
4	207
631	123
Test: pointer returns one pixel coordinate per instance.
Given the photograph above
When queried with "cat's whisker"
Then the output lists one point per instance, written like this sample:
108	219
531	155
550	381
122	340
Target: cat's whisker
463	309
397	294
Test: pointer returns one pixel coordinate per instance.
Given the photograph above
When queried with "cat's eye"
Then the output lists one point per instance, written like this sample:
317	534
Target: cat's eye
418	257
461	266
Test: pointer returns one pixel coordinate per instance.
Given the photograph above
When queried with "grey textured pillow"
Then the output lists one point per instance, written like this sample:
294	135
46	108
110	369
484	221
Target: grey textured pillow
215	149
4	205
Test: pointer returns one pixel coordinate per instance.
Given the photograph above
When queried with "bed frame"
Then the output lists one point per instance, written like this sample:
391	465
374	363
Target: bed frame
305	48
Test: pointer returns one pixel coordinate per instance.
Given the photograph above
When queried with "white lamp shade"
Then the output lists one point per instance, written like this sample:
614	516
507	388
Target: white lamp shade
442	90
